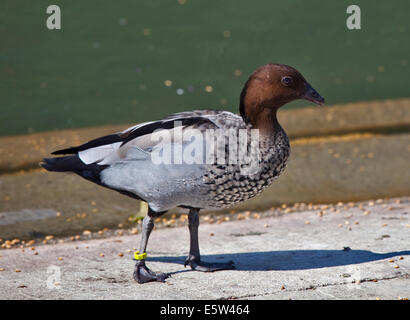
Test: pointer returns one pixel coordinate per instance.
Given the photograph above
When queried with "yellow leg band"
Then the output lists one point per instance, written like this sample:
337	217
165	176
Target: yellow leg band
138	256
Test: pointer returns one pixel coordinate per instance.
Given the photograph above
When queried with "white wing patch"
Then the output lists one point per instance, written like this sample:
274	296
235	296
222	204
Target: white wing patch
98	153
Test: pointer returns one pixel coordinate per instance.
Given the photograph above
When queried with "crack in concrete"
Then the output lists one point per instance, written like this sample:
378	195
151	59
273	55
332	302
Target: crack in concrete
315	287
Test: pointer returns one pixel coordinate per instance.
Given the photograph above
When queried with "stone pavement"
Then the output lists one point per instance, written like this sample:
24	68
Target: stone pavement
355	251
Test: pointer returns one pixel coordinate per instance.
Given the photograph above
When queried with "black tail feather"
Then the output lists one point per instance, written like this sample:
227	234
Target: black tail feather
74	164
62	164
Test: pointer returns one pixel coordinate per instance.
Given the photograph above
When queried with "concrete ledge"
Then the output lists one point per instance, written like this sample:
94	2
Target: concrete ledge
370	116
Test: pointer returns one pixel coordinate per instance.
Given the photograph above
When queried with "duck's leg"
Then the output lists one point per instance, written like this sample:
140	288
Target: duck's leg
194	257
141	272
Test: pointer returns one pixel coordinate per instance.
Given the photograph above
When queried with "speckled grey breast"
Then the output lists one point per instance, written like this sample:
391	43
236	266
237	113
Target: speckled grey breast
228	186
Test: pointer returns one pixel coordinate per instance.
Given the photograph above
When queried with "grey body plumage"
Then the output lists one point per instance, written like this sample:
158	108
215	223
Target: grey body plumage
204	186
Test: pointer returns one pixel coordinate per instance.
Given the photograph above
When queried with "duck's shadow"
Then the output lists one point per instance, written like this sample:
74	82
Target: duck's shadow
290	260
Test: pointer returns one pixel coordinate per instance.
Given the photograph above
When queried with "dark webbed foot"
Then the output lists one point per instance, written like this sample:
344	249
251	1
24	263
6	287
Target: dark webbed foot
208	266
142	274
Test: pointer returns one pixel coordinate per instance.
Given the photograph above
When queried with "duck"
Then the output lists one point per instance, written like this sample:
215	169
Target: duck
166	163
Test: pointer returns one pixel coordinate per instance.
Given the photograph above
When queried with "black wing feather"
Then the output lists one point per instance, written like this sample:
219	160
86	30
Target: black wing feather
151	127
131	135
112	138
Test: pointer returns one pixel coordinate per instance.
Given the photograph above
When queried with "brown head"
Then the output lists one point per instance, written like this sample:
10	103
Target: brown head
270	87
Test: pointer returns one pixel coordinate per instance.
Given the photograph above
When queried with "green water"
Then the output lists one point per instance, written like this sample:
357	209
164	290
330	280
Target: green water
108	63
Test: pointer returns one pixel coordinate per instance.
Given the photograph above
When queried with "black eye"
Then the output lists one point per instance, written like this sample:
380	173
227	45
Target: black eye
286	81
